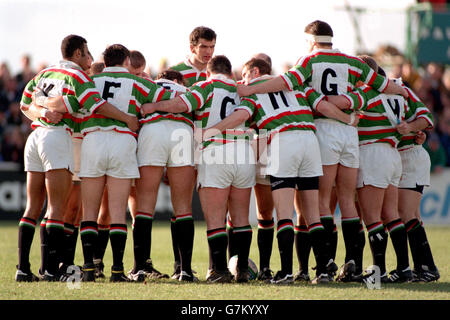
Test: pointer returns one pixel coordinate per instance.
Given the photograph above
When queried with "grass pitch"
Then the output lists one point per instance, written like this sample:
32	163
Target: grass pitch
172	290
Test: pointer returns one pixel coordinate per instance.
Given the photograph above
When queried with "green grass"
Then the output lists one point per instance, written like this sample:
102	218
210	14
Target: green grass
171	290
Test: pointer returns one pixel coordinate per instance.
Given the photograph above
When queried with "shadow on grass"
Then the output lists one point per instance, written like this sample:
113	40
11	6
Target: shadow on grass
418	286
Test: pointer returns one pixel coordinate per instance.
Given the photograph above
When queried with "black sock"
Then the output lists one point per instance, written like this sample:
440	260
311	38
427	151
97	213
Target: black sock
232	243
68	249
243	240
319	245
285	237
420	248
118	238
302	247
265	242
101	242
359	250
142	229
218	241
378	240
55	233
350	231
44	245
176	254
72	246
26	234
88	236
184	228
331	235
399	238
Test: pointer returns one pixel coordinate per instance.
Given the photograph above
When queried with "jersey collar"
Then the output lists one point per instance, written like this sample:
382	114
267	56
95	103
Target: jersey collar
115	69
69	64
221	77
326	50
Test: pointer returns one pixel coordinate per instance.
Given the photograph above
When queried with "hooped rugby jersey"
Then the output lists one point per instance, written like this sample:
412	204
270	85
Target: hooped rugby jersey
186	118
281	111
416	110
331	72
380	114
77	89
190	73
127	93
212	101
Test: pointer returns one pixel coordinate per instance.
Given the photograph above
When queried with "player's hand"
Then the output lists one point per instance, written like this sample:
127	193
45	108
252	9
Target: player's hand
133	123
52	116
420	137
147	108
244	90
354	119
403	128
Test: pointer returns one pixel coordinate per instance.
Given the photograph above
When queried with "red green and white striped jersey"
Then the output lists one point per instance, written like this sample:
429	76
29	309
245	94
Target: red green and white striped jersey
67	80
127	93
184	117
282	111
380	114
212	101
190	73
416	110
331	72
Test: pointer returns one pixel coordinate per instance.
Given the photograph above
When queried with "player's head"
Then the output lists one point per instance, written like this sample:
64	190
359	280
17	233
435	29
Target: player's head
255	68
219	65
137	63
370	61
74	48
172	75
202	43
116	55
318	35
96	68
264	57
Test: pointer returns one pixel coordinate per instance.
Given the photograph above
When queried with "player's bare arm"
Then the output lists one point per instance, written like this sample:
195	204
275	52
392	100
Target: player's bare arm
175	105
331	111
413	126
273	85
57	104
340	101
230	122
393	88
33	112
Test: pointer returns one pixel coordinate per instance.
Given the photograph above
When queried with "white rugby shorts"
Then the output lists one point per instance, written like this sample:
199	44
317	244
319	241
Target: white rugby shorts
48	149
294	154
232	164
339	143
109	153
416	166
166	144
380	166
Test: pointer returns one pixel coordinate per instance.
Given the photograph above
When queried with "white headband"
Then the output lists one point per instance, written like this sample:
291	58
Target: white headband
320	39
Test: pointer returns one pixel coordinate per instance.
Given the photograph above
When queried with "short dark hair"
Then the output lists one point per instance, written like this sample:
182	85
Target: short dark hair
370	61
71	43
263	66
201	33
115	55
319	28
137	59
220	64
171	74
97	67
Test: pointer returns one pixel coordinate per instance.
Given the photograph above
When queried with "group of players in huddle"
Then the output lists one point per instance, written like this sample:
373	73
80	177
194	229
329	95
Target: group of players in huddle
331	130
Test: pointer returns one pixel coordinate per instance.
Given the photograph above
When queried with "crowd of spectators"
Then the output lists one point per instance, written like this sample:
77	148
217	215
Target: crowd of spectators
431	83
